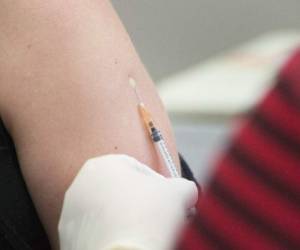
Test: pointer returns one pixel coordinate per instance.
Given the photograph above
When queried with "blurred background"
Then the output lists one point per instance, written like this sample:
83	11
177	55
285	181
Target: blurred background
211	60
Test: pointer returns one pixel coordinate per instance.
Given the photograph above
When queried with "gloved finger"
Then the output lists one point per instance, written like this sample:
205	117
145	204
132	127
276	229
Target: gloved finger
141	167
185	190
119	163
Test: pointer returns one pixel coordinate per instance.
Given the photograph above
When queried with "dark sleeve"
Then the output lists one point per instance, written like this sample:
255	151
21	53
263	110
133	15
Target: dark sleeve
253	201
187	172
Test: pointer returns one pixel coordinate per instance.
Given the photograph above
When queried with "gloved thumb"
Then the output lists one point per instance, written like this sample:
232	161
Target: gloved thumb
186	191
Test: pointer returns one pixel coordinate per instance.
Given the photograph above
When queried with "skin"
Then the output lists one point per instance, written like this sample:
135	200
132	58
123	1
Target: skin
65	97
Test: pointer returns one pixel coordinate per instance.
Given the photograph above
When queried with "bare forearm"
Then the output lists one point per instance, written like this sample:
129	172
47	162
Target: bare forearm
65	95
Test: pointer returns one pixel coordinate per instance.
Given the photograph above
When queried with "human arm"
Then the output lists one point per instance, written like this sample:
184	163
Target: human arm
65	97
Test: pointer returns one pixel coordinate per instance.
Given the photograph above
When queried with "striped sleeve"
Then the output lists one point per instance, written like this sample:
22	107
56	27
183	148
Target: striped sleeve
253	201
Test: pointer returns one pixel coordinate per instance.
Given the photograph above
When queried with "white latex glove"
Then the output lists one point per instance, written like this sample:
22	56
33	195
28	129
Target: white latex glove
116	202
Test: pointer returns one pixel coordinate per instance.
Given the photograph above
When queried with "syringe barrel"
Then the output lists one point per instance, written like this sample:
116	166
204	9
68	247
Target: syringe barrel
164	152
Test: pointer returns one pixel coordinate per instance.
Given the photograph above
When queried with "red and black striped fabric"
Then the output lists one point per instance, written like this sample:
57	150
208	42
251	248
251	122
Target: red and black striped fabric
253	201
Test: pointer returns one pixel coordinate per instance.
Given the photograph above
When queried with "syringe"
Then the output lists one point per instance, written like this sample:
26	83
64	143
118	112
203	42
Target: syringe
158	141
155	134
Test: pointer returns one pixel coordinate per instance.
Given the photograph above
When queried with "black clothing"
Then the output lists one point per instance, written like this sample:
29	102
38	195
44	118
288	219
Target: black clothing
20	228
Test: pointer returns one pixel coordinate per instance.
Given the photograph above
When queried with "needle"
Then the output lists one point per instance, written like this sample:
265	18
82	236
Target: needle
154	133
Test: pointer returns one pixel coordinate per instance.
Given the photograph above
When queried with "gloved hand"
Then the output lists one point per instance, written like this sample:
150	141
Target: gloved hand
116	202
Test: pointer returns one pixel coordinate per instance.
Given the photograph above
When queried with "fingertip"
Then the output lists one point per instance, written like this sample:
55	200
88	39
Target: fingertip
187	189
